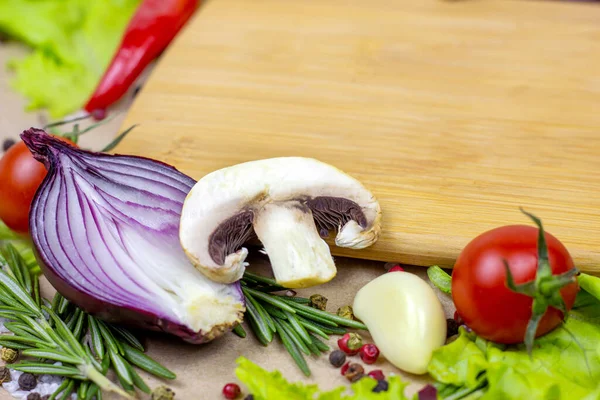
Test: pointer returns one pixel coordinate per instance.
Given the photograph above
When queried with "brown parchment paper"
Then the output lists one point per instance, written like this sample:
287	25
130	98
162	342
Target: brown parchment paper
202	370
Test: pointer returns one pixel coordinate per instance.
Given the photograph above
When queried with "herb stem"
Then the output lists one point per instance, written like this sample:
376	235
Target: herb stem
273	300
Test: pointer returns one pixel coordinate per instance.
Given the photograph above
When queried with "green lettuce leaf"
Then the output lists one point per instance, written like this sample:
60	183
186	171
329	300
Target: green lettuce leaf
565	363
265	385
72	43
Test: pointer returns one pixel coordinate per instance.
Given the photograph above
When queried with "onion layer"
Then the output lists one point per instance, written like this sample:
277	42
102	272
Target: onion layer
105	229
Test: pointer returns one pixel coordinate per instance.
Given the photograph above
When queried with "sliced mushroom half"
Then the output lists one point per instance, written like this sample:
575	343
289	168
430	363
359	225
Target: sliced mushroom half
290	204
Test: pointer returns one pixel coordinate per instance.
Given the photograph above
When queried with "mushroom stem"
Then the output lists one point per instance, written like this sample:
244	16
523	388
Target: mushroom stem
298	255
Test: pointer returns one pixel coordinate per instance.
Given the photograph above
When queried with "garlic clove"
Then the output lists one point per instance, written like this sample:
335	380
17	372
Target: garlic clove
405	318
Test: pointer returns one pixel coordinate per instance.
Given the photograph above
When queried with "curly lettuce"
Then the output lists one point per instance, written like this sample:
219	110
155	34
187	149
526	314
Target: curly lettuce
565	363
72	43
265	385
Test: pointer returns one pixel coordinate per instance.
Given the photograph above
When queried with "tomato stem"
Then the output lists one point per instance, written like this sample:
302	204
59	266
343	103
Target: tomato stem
544	289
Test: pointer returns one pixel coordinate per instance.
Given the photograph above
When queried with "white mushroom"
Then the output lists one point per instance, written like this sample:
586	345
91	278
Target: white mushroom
289	203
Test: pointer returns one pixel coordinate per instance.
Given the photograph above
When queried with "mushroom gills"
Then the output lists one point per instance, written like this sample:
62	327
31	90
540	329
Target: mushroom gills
299	256
289	204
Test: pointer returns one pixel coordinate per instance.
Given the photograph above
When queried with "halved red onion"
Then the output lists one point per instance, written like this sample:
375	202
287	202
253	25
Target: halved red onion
105	228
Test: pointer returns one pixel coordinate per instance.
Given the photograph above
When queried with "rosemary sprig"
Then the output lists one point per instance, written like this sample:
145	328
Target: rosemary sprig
58	331
298	326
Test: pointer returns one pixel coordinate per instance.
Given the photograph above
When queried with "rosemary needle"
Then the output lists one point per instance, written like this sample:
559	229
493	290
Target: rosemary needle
64	337
296	324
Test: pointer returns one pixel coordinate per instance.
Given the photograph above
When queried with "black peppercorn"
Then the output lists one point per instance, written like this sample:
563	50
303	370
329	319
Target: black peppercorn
382	386
34	396
249	397
7	144
46	397
451	327
354	372
337	358
27	381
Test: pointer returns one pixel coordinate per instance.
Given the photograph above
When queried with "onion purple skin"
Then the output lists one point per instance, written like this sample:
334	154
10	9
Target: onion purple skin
38	142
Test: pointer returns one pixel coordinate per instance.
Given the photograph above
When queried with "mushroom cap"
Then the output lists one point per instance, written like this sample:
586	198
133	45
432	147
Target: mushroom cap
219	211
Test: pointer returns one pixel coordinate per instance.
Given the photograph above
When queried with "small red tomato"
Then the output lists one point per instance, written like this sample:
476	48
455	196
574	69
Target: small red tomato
377	374
369	353
231	391
396	268
20	177
479	289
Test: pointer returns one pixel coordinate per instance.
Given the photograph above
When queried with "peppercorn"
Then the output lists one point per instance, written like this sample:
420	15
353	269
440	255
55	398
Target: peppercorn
337	358
7	144
369	353
231	391
162	393
377	374
451	327
457	318
34	396
429	392
382	386
9	355
46	397
249	397
354	372
27	381
4	375
350	343
396	268
354	341
318	301
345	368
345	312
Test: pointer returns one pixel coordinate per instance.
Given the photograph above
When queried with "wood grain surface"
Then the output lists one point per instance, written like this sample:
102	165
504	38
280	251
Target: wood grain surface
454	114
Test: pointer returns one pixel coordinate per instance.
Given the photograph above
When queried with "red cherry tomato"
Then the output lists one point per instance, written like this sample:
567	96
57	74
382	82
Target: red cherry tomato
20	176
479	290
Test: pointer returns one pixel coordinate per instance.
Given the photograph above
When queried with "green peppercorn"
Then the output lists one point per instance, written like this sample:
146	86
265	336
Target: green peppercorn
163	393
337	358
318	301
27	381
355	341
4	375
345	312
9	355
354	372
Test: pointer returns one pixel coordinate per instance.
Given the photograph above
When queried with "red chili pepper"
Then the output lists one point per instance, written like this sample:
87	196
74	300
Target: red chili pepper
151	29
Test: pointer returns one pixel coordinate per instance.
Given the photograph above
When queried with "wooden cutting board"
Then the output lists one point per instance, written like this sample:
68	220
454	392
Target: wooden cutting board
454	114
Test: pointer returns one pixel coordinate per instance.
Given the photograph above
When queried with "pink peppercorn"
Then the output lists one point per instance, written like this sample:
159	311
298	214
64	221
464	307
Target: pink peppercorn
369	353
345	368
231	391
377	374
